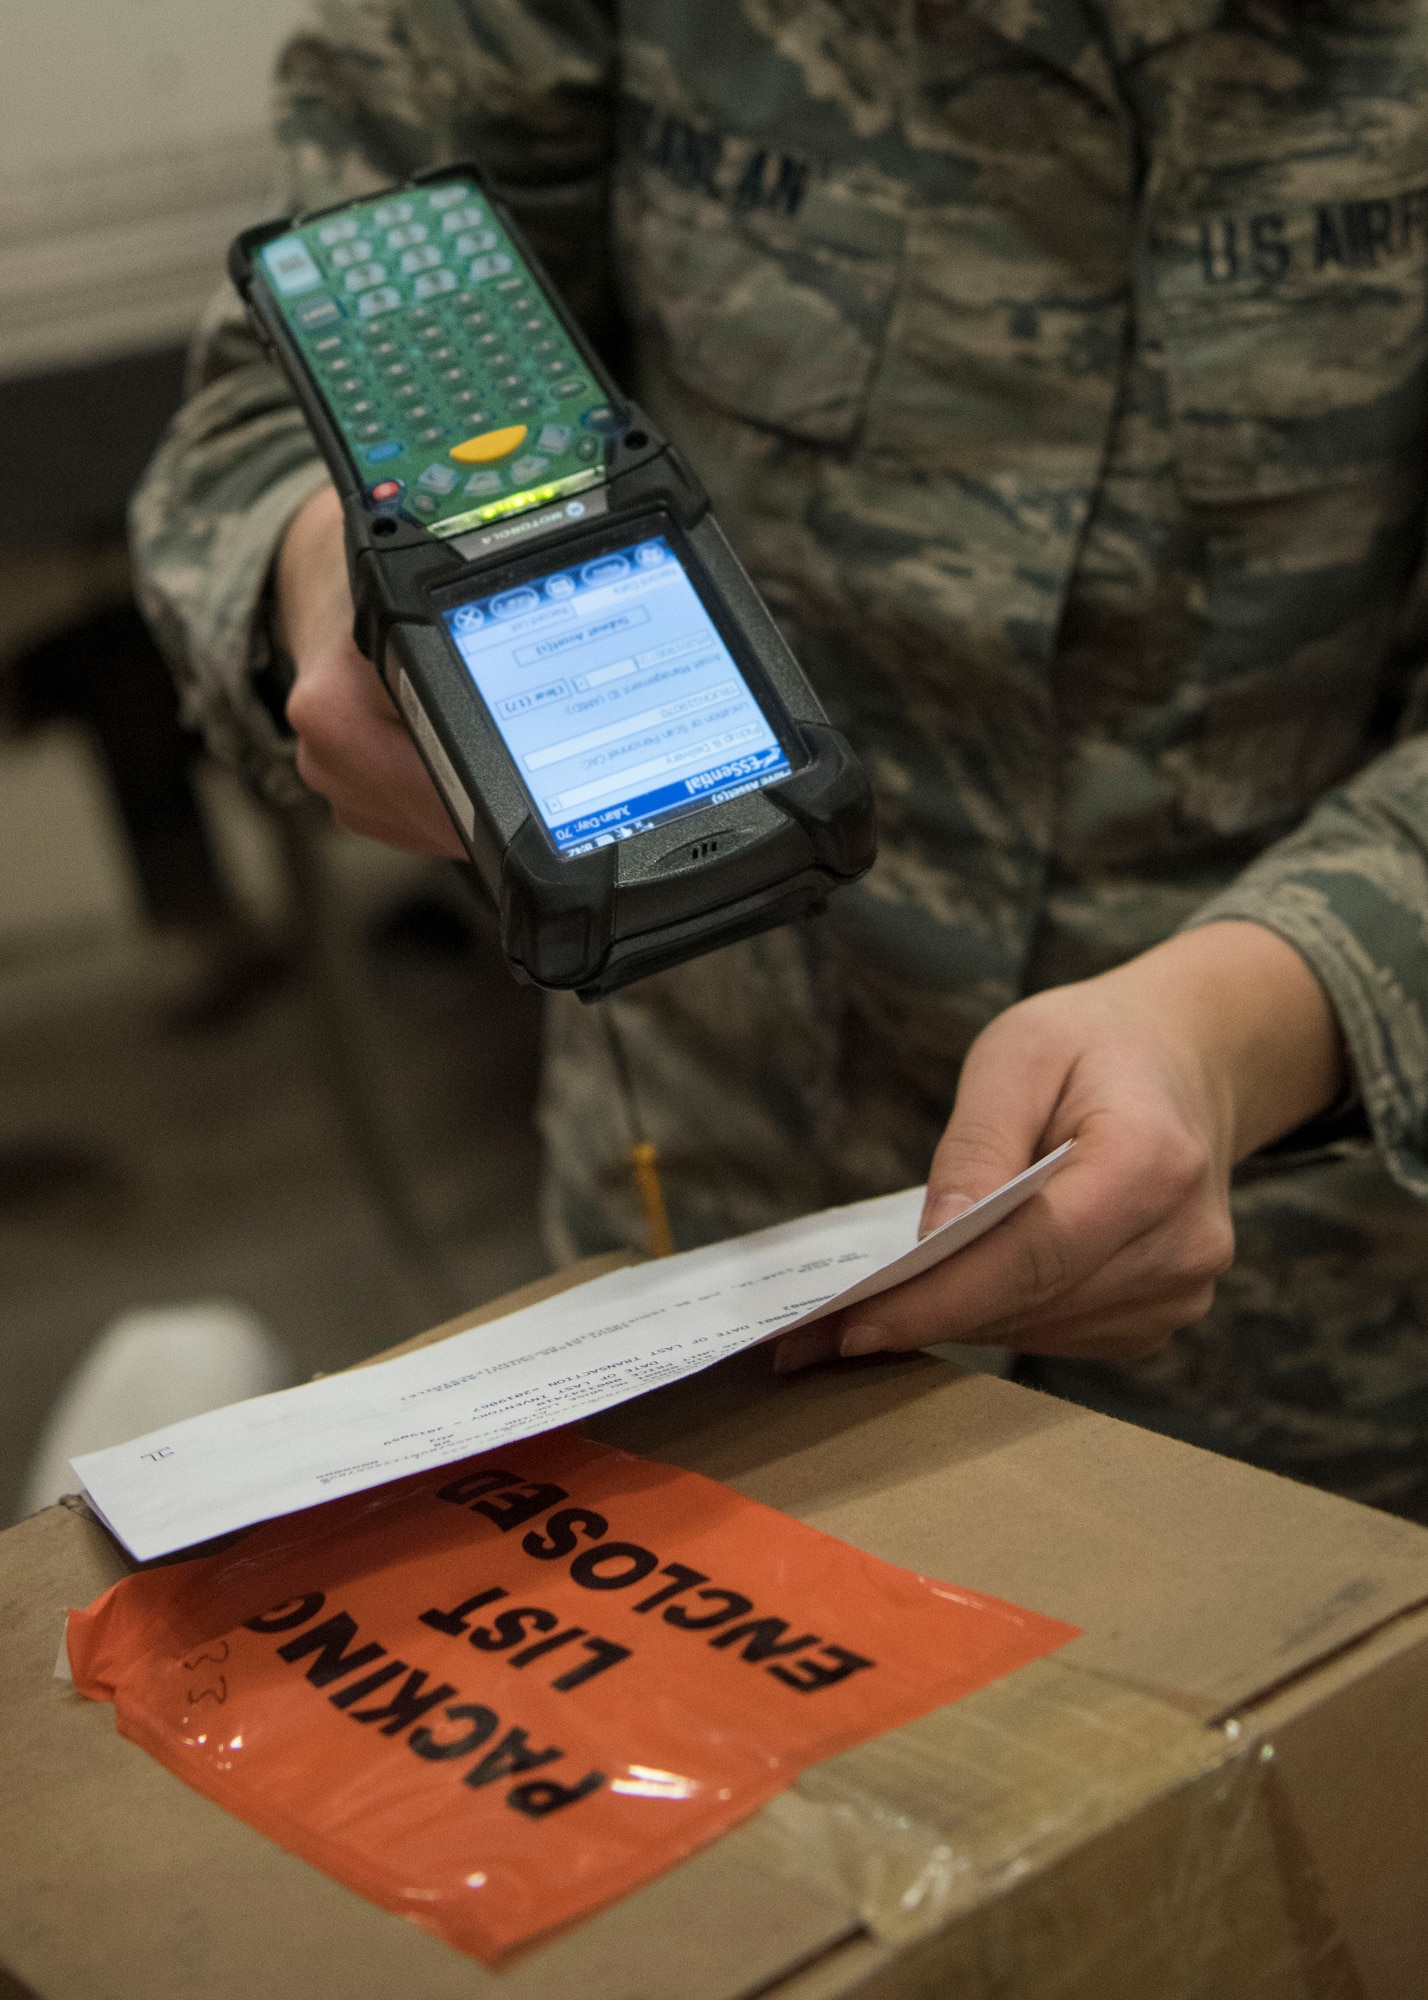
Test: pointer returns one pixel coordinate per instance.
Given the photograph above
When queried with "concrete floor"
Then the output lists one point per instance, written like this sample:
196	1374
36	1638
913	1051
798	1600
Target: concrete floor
145	1163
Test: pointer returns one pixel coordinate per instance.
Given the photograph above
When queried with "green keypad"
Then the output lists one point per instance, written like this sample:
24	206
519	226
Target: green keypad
457	390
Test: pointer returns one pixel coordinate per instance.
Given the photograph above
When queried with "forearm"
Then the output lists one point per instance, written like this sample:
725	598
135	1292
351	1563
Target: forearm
1263	1034
205	523
1349	891
372	93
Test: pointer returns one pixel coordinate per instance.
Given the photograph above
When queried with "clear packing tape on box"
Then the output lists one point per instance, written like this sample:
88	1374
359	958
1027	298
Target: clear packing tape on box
496	1698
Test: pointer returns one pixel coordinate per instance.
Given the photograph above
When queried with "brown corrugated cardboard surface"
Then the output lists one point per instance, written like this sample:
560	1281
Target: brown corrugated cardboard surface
116	1881
1102	1823
1351	1756
1192	1575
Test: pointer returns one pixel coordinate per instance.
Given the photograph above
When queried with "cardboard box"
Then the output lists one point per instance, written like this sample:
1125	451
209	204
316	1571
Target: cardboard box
1220	1790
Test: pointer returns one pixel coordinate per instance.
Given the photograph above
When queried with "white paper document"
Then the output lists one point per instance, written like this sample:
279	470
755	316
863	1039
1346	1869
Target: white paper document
553	1363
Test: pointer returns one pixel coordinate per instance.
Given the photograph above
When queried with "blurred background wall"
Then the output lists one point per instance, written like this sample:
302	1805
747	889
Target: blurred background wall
133	145
239	1055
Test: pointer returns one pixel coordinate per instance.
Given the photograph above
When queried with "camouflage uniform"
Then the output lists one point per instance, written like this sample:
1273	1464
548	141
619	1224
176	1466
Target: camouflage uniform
1058	368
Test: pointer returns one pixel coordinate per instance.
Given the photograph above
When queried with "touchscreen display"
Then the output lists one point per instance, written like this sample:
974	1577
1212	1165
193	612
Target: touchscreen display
458	392
615	695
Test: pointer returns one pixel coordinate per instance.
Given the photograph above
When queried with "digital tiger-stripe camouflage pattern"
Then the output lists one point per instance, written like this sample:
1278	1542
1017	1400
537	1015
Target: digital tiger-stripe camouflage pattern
1058	369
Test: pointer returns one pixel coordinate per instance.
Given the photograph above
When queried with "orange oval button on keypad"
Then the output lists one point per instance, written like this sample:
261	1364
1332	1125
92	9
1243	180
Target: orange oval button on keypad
489	445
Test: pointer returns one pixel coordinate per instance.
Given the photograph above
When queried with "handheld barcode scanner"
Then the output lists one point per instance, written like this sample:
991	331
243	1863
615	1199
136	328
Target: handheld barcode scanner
632	756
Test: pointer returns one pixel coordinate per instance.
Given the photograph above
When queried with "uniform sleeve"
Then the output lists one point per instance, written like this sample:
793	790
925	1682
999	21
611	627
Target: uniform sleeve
372	91
1349	890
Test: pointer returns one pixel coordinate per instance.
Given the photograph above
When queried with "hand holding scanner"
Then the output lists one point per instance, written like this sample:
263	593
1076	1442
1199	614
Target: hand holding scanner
633	758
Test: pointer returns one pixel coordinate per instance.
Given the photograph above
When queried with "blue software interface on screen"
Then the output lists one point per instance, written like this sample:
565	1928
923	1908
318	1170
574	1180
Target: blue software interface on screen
615	695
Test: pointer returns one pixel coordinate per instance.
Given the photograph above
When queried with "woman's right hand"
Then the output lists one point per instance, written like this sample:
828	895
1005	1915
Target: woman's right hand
352	746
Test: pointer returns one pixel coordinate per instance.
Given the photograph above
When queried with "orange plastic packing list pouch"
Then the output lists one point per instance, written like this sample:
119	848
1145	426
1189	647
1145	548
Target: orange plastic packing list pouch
496	1698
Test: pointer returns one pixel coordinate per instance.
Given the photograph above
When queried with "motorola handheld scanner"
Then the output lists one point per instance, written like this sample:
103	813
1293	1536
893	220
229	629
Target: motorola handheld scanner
629	751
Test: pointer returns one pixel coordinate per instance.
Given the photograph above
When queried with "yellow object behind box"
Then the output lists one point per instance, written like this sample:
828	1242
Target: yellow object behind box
1220	1790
